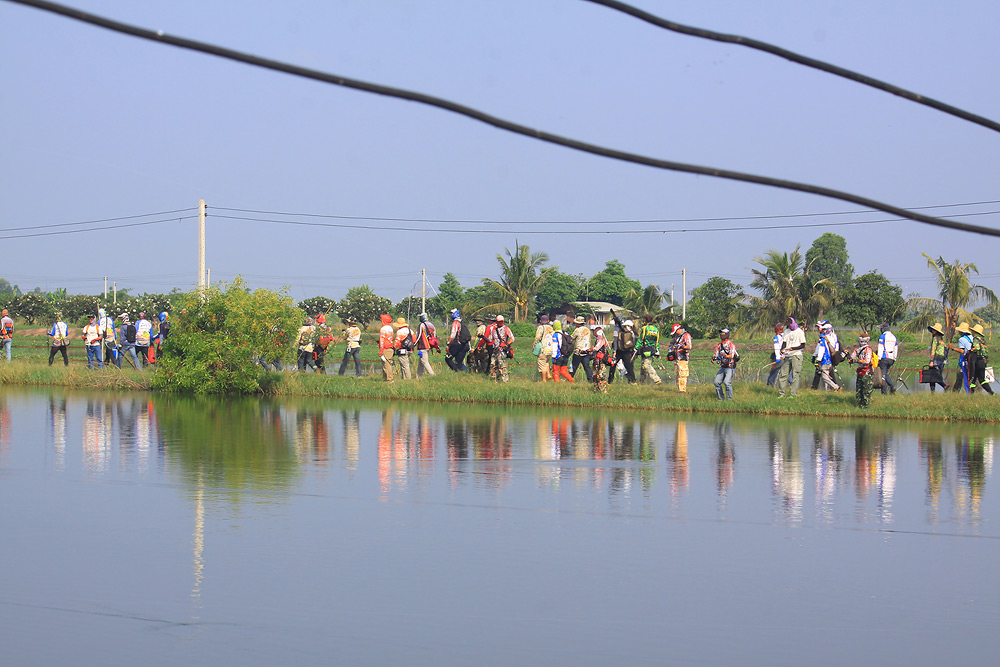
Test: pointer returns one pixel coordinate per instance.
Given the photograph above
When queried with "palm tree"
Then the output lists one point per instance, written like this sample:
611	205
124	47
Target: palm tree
521	275
649	301
956	294
786	289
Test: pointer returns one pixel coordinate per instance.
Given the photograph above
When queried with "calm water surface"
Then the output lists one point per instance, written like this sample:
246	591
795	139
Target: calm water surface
157	530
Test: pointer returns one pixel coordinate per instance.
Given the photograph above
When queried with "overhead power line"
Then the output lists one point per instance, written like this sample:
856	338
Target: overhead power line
447	105
469	230
596	222
94	222
94	229
801	60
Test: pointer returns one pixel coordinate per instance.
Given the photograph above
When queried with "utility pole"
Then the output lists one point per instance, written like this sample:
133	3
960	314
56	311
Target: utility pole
201	245
114	287
423	290
684	294
105	288
208	277
671	294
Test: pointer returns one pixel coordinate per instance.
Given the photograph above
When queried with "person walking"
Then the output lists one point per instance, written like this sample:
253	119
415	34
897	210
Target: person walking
790	373
562	350
823	356
545	351
305	342
863	356
726	356
403	345
681	347
322	339
938	354
604	358
502	346
964	348
458	342
625	342
649	348
581	345
426	339
888	348
352	335
143	336
779	343
479	360
92	340
60	340
6	332
126	337
109	337
386	347
977	362
162	333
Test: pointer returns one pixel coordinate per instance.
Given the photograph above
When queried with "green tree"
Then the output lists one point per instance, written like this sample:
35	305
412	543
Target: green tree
827	258
713	304
786	289
870	300
650	300
956	294
611	284
32	308
363	305
559	289
521	276
216	336
318	304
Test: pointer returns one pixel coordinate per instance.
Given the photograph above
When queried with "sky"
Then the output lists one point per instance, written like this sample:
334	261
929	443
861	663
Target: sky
99	125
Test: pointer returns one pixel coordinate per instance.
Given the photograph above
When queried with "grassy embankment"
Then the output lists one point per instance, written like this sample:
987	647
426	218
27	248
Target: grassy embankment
752	397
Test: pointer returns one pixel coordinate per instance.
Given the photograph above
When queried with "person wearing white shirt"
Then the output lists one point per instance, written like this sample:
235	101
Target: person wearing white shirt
790	373
887	351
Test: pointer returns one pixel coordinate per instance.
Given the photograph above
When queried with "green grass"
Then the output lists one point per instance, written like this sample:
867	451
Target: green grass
447	387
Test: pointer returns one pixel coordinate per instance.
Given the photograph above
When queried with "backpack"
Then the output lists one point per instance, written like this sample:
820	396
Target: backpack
408	342
565	345
130	333
324	341
628	340
464	337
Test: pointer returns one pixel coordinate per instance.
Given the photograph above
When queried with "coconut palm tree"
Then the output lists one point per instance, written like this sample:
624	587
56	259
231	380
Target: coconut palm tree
521	275
956	295
649	301
786	289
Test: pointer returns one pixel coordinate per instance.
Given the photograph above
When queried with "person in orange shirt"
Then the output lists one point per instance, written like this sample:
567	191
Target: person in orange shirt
385	347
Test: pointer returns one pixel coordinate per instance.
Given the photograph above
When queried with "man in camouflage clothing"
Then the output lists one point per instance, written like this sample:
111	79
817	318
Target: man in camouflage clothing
501	340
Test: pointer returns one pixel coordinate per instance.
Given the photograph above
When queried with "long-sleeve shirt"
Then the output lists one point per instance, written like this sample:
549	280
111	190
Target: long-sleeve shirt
385	339
887	347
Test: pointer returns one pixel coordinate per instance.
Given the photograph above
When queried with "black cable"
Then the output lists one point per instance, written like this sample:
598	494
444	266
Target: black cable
94	222
595	222
801	60
94	229
388	91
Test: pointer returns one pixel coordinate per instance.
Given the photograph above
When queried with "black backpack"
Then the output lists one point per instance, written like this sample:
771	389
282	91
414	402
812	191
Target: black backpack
565	344
130	333
464	337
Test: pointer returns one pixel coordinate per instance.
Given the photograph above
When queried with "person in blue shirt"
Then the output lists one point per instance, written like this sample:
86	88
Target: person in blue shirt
965	343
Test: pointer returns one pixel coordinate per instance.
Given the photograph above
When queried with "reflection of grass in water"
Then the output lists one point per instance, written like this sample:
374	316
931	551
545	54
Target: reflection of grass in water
227	443
751	399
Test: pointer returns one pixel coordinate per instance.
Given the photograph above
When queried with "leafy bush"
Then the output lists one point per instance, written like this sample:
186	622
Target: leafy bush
217	335
522	329
363	305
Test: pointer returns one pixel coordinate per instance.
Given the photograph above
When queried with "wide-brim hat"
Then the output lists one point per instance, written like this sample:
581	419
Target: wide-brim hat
400	322
579	320
936	328
963	328
978	329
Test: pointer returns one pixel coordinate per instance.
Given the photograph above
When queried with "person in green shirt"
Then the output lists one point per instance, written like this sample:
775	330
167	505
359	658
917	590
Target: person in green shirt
649	347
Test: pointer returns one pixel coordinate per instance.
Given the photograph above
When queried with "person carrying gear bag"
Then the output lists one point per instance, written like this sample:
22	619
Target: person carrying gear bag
353	337
726	356
386	347
888	348
649	347
6	332
501	344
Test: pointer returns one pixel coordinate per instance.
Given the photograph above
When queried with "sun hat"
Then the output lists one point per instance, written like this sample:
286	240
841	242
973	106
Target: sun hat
963	328
936	328
979	329
400	321
579	320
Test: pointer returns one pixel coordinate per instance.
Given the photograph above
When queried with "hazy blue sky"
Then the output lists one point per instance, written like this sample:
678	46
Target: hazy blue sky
99	125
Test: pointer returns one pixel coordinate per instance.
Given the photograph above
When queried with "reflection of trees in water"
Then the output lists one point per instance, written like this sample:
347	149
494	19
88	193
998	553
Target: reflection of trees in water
932	454
974	463
57	425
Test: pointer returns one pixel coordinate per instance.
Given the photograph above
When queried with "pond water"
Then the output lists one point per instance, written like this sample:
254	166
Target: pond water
143	529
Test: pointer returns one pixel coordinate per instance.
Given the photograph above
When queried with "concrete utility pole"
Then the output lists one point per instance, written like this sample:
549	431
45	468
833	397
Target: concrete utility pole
105	288
114	287
201	245
208	277
684	294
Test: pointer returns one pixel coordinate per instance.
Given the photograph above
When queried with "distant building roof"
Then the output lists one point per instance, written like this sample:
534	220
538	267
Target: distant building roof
600	306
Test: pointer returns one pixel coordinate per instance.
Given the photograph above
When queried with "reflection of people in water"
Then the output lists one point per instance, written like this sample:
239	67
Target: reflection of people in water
57	420
786	474
932	453
875	466
972	472
352	437
725	457
680	474
828	464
